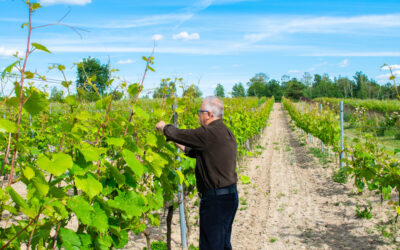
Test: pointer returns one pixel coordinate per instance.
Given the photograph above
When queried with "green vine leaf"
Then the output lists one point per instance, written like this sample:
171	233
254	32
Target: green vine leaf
82	209
17	199
133	163
57	166
115	141
7	126
40	47
70	240
89	185
8	69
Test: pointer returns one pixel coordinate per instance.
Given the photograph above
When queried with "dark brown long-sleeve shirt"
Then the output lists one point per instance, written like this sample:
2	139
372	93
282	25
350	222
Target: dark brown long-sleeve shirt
214	147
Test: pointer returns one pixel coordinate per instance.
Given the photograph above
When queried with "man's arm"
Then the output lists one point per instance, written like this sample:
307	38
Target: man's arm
188	151
193	138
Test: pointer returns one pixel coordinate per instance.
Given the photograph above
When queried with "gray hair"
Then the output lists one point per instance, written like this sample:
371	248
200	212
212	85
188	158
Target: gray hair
214	105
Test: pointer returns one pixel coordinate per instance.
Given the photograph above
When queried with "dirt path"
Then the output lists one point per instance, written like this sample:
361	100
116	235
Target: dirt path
292	202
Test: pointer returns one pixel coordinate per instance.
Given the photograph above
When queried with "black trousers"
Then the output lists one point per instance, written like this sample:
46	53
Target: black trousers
217	213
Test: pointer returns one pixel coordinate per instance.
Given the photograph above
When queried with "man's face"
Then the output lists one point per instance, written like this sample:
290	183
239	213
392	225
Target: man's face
204	117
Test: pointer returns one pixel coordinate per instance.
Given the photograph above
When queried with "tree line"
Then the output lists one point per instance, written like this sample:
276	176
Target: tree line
314	86
309	86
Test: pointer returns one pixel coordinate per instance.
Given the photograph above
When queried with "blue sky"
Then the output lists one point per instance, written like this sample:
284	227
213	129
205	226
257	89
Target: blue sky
211	41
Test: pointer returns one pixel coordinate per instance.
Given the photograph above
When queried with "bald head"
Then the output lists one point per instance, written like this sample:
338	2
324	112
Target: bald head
214	105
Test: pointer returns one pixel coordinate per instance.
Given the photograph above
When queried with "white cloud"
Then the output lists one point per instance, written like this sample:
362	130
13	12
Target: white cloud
157	37
128	61
344	63
314	67
6	52
294	71
384	78
393	67
152	20
115	49
256	37
72	2
186	36
349	54
278	25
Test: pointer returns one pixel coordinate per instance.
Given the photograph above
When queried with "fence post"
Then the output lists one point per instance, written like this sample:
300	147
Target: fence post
310	133
322	144
180	192
341	134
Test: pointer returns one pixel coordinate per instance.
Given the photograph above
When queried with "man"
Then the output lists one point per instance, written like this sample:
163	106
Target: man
214	147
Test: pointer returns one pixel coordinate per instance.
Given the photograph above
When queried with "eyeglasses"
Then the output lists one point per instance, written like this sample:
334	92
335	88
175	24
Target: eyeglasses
201	111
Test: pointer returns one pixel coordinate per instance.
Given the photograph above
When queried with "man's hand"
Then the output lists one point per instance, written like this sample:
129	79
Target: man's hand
160	126
180	146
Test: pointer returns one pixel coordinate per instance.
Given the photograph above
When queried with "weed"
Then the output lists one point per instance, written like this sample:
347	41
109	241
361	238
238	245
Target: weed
272	240
157	245
280	195
308	232
276	148
260	147
340	176
281	208
366	213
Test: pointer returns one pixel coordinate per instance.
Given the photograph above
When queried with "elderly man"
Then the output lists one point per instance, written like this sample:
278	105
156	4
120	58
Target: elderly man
214	147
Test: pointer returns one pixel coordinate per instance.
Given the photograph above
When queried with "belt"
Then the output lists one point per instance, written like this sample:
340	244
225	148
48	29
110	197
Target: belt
219	191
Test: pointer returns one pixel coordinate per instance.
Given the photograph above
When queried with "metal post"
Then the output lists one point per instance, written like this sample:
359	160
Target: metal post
322	144
310	133
341	134
180	193
30	123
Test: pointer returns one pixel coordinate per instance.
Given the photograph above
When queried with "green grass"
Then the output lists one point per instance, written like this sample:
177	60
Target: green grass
323	157
272	240
386	142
